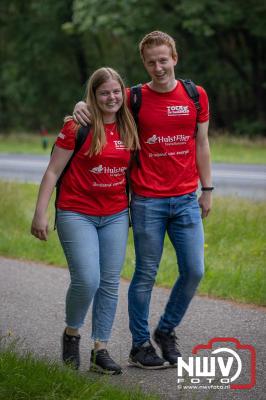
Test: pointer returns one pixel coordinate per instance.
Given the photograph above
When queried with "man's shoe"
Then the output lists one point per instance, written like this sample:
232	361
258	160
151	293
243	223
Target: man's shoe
145	357
70	350
102	362
168	345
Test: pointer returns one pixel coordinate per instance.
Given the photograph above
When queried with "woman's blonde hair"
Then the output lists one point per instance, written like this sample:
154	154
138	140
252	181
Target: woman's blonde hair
125	123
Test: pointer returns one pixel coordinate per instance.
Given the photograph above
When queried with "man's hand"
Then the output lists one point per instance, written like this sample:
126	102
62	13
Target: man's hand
205	203
81	114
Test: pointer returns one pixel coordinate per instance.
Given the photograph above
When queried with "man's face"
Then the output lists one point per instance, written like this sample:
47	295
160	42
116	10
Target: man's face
159	63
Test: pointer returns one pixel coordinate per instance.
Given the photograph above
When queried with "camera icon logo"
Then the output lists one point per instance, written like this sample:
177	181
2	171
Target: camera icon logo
226	364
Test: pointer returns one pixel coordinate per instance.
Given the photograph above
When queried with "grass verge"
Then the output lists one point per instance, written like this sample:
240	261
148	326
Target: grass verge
235	249
25	143
225	148
24	378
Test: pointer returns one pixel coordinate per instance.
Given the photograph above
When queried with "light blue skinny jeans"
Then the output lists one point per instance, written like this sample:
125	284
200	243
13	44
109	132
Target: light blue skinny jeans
95	251
151	218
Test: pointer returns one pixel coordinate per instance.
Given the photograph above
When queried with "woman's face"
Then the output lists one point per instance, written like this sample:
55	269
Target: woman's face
109	98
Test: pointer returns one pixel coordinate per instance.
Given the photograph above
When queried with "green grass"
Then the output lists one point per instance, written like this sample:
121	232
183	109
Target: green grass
26	378
235	244
24	143
18	203
235	253
225	148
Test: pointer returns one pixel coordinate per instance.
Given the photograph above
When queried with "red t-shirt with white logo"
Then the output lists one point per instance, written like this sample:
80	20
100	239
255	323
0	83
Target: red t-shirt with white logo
94	185
167	124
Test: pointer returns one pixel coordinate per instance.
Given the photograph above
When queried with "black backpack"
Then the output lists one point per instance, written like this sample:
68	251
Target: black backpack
81	136
136	99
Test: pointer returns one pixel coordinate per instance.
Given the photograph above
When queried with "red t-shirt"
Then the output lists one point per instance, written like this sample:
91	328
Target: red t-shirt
167	137
94	185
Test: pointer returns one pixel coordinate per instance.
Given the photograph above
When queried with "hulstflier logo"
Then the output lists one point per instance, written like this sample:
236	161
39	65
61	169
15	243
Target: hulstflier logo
222	363
112	171
152	139
168	140
97	170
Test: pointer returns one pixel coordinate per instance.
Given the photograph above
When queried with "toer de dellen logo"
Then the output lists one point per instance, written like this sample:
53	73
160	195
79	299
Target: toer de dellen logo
222	363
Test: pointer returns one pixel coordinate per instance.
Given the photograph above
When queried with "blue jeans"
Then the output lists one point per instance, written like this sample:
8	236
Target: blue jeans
152	218
95	251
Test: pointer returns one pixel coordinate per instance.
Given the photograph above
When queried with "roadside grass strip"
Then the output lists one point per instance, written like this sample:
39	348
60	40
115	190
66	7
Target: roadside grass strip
234	149
25	143
224	147
23	377
235	244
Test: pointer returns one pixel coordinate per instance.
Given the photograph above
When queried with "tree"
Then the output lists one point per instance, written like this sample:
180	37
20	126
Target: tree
49	49
39	69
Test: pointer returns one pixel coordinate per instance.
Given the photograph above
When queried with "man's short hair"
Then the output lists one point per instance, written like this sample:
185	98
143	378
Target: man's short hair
157	38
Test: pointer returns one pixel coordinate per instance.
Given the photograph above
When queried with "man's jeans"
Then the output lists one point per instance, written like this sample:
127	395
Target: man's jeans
152	218
95	250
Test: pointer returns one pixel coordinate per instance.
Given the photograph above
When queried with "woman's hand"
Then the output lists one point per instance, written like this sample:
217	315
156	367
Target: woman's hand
39	227
58	161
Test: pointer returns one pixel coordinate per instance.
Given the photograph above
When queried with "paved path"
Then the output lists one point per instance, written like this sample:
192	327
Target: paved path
32	308
242	180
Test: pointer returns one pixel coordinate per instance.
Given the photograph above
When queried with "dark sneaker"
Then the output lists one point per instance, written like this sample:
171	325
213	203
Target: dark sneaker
103	363
168	345
70	350
145	357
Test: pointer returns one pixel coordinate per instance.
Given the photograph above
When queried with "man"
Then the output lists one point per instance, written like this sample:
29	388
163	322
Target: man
174	154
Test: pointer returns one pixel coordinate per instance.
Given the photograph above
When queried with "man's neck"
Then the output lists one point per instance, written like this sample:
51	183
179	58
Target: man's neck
163	88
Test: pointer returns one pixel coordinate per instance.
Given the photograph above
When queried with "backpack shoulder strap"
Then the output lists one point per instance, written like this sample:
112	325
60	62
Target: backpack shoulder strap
135	101
81	136
192	91
135	104
80	139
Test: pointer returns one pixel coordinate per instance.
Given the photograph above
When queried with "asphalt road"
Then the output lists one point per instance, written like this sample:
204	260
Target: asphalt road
32	309
242	180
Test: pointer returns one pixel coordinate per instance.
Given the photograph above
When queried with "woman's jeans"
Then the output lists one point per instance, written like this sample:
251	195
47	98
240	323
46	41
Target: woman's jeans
95	251
152	218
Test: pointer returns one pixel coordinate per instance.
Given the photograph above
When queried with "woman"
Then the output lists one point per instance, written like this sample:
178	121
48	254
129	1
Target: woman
92	214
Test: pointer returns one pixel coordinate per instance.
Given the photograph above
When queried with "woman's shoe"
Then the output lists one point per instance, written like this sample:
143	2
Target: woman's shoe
102	362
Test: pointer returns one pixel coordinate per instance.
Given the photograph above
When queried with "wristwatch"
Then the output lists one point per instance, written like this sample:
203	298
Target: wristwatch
207	188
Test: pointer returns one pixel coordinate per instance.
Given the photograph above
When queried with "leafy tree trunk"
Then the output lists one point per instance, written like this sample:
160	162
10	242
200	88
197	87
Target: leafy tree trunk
80	58
258	84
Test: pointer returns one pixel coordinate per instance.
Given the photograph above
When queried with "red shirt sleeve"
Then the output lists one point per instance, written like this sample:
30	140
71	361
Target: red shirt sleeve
203	115
128	98
67	136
